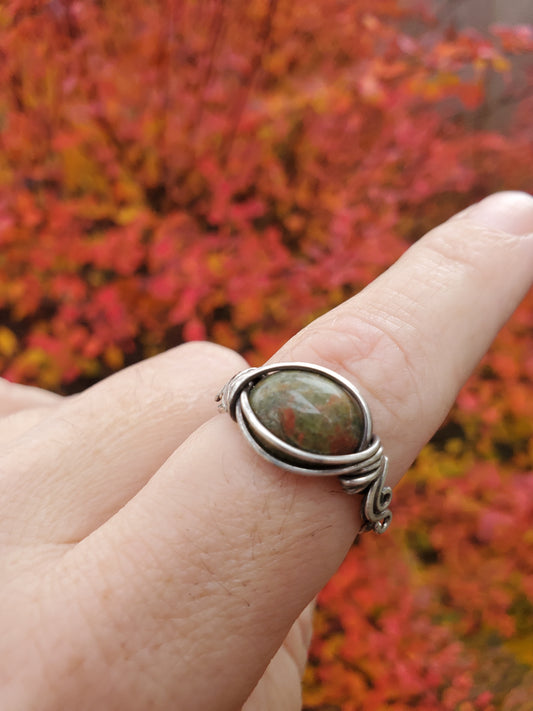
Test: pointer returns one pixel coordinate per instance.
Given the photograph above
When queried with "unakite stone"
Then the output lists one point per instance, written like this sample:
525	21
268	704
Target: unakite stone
309	411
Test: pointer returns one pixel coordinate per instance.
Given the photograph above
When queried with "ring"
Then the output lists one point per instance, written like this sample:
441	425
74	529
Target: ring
307	419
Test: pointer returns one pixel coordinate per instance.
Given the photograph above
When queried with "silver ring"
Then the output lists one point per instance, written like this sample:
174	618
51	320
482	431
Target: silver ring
310	420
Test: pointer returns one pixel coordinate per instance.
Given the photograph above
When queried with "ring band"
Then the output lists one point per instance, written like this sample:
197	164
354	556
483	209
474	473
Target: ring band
308	419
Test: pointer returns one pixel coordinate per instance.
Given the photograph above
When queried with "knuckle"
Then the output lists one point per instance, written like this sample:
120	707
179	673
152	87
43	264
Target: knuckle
388	368
157	380
448	251
220	356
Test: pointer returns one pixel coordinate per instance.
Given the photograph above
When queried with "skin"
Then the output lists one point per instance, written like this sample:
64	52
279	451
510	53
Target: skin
149	559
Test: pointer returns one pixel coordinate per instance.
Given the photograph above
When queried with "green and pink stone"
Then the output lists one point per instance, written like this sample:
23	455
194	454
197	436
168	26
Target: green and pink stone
309	411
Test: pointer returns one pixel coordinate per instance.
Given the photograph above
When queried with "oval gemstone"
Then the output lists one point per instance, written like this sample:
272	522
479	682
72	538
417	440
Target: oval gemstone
309	411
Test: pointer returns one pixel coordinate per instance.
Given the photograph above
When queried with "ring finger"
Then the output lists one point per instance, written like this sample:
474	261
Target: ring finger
220	539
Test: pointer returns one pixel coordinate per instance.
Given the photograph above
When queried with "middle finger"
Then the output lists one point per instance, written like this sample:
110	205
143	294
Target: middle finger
94	451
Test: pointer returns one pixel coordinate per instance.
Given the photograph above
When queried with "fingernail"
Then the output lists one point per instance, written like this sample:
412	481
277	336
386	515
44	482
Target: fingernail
510	212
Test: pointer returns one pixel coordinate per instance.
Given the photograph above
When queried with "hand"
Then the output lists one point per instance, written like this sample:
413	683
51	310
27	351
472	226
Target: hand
151	560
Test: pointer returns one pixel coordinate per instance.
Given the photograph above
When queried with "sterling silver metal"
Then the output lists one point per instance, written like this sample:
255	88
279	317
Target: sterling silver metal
361	472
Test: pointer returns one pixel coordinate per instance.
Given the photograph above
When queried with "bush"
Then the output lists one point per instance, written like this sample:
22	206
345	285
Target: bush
167	176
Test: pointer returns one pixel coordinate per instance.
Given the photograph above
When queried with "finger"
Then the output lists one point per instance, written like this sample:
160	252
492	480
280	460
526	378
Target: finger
22	407
280	687
107	442
18	423
15	397
412	337
220	539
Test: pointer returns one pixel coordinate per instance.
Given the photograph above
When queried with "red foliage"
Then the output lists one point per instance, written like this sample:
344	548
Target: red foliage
166	175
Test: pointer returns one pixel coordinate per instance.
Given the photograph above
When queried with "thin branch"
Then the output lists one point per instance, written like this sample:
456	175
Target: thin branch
218	26
445	13
242	100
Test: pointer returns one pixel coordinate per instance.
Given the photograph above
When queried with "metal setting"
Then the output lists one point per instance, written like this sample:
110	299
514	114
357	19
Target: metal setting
361	472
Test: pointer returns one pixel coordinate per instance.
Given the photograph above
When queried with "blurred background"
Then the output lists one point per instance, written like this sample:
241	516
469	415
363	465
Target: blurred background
174	170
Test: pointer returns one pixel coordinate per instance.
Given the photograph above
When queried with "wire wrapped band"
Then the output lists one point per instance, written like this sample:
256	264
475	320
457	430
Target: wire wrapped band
363	471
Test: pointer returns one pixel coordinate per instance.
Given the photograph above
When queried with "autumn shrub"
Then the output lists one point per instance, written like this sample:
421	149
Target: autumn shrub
189	169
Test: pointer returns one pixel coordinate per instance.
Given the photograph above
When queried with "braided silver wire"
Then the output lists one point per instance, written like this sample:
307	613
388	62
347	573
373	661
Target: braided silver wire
361	472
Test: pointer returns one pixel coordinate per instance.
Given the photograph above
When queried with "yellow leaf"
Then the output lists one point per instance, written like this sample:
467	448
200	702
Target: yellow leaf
114	357
6	18
8	342
81	172
126	215
501	64
522	648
